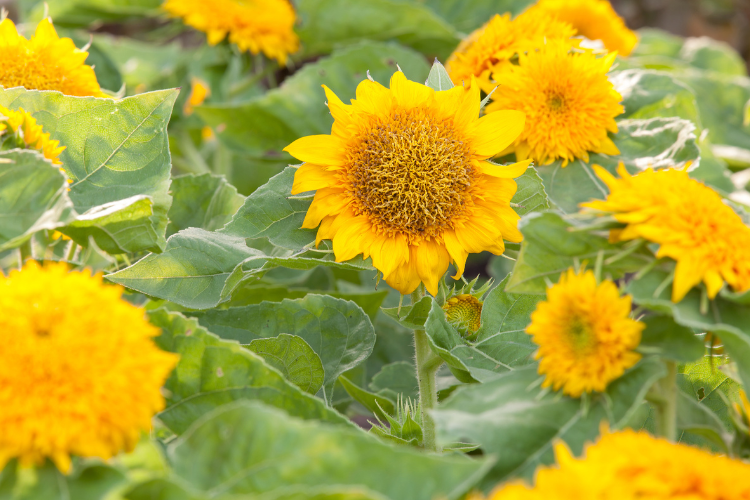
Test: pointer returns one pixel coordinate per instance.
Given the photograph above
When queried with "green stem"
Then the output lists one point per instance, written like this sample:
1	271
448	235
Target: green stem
666	404
427	366
26	252
71	251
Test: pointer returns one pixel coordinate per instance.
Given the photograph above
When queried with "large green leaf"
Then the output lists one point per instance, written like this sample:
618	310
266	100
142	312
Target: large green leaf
551	246
652	94
398	378
670	340
251	448
468	16
88	481
294	358
81	13
326	24
271	122
115	149
33	197
708	54
530	196
657	42
337	330
655	142
206	201
212	372
509	418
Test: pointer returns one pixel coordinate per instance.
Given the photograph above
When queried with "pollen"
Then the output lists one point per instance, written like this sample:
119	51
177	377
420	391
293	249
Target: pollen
464	311
410	173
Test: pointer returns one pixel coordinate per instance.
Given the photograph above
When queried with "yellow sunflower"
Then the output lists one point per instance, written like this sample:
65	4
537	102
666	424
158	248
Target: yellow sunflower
199	91
80	374
465	311
402	179
253	25
584	333
594	19
687	219
569	103
45	62
493	45
630	465
31	133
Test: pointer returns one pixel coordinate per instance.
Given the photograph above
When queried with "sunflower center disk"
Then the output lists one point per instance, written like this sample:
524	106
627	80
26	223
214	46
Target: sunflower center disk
580	336
411	173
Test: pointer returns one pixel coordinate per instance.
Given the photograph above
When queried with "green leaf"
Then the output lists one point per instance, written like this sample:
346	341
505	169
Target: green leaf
118	227
657	42
296	109
115	149
655	142
33	197
438	79
337	330
708	54
669	340
206	201
399	377
727	320
294	358
412	317
530	195
506	416
705	383
237	449
81	13
159	489
89	481
326	24
376	403
697	418
551	246
468	16
213	372
653	94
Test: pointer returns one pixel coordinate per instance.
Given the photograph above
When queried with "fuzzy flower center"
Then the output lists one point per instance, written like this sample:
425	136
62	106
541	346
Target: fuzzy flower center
410	173
465	311
580	335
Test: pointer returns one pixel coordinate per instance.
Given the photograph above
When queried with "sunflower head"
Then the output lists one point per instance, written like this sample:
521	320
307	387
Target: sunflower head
45	62
584	333
594	19
688	220
403	179
80	374
23	131
569	103
495	44
256	26
465	313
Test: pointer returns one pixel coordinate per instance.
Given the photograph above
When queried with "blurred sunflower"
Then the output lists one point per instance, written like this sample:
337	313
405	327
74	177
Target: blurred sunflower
569	103
584	333
80	374
402	179
594	19
253	25
494	45
630	465
687	219
45	62
29	133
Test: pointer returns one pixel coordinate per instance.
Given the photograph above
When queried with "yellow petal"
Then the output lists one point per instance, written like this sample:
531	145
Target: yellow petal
405	278
320	149
390	253
505	171
326	202
685	278
713	282
457	252
432	262
496	131
351	240
410	94
608	147
310	177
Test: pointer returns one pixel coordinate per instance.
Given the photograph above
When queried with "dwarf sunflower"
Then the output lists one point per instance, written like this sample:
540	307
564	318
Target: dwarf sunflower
45	62
584	334
687	219
497	42
594	19
402	179
22	123
253	25
80	374
630	465
569	103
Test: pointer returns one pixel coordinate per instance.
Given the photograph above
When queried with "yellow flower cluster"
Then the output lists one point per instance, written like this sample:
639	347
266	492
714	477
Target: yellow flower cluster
32	134
253	25
688	220
45	62
630	465
584	333
80	374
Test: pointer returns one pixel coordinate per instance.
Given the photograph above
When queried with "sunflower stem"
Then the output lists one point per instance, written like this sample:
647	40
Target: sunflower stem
72	248
666	403
25	252
427	366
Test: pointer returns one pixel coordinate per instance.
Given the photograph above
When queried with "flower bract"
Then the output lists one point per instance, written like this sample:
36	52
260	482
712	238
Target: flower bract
688	220
45	62
594	19
584	333
402	179
630	465
257	26
30	133
80	374
569	103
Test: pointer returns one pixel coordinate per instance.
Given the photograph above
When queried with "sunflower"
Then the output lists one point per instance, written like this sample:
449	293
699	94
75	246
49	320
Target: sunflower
584	333
494	45
569	103
630	465
402	179
688	220
45	62
29	133
464	311
594	19
80	374
199	91
253	25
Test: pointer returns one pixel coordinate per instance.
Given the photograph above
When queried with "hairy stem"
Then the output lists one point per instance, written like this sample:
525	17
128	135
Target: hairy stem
427	366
